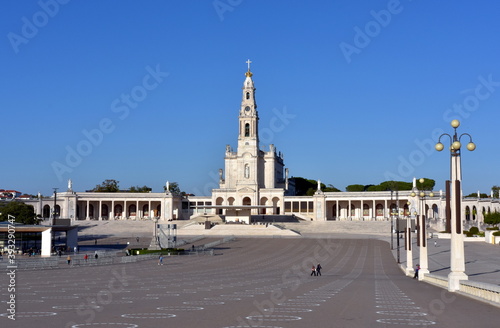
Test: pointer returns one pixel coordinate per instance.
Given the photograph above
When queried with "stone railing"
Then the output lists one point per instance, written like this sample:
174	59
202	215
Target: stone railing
479	290
488	292
436	280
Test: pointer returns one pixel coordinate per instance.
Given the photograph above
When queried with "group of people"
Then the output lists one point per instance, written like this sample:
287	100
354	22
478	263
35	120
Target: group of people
85	257
316	270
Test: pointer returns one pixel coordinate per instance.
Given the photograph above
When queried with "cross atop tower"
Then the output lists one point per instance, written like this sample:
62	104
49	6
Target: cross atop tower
248	62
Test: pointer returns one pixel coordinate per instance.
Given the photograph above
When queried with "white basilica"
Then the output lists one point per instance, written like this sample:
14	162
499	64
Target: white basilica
254	183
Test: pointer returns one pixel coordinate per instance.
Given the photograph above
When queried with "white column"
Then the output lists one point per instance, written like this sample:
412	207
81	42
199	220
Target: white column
409	253
99	212
150	214
362	211
46	242
457	257
112	211
88	208
162	209
374	210
423	261
385	208
137	216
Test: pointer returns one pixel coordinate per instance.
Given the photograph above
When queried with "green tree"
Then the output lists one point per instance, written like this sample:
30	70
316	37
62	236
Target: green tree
396	185
329	188
108	185
492	218
355	187
308	187
304	186
495	189
174	189
474	195
22	212
427	185
376	188
139	189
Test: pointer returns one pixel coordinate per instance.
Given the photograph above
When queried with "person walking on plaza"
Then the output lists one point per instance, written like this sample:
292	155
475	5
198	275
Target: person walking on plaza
318	269
68	259
96	256
85	257
313	271
417	268
160	260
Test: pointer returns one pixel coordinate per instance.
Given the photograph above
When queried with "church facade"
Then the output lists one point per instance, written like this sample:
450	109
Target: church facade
254	182
252	177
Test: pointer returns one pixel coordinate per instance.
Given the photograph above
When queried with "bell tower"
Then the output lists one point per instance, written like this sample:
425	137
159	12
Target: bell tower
253	178
248	139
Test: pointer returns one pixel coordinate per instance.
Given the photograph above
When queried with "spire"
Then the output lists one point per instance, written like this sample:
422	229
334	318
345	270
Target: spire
248	73
248	118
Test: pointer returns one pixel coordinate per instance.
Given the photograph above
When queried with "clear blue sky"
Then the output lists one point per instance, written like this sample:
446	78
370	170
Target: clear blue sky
352	92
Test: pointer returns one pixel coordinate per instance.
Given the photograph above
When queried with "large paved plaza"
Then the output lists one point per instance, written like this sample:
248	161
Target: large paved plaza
262	282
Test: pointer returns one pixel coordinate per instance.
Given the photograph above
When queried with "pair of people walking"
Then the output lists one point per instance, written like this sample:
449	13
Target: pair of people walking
316	270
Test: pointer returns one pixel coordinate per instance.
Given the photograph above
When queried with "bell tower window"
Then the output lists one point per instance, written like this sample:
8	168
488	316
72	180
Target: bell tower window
247	129
248	95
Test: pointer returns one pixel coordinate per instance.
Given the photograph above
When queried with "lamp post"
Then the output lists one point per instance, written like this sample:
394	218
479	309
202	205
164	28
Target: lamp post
409	253
454	194
54	212
155	242
421	229
392	226
394	215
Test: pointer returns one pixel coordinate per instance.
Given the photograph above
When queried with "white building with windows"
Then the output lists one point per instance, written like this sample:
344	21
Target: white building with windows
254	182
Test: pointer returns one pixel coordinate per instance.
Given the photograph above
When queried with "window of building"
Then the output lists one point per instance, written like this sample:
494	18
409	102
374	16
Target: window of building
247	129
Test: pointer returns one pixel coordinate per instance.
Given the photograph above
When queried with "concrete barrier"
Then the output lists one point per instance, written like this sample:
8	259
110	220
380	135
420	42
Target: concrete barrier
479	290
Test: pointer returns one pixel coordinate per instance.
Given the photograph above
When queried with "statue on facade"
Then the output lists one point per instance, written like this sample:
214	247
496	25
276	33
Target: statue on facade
220	174
319	185
70	184
167	186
